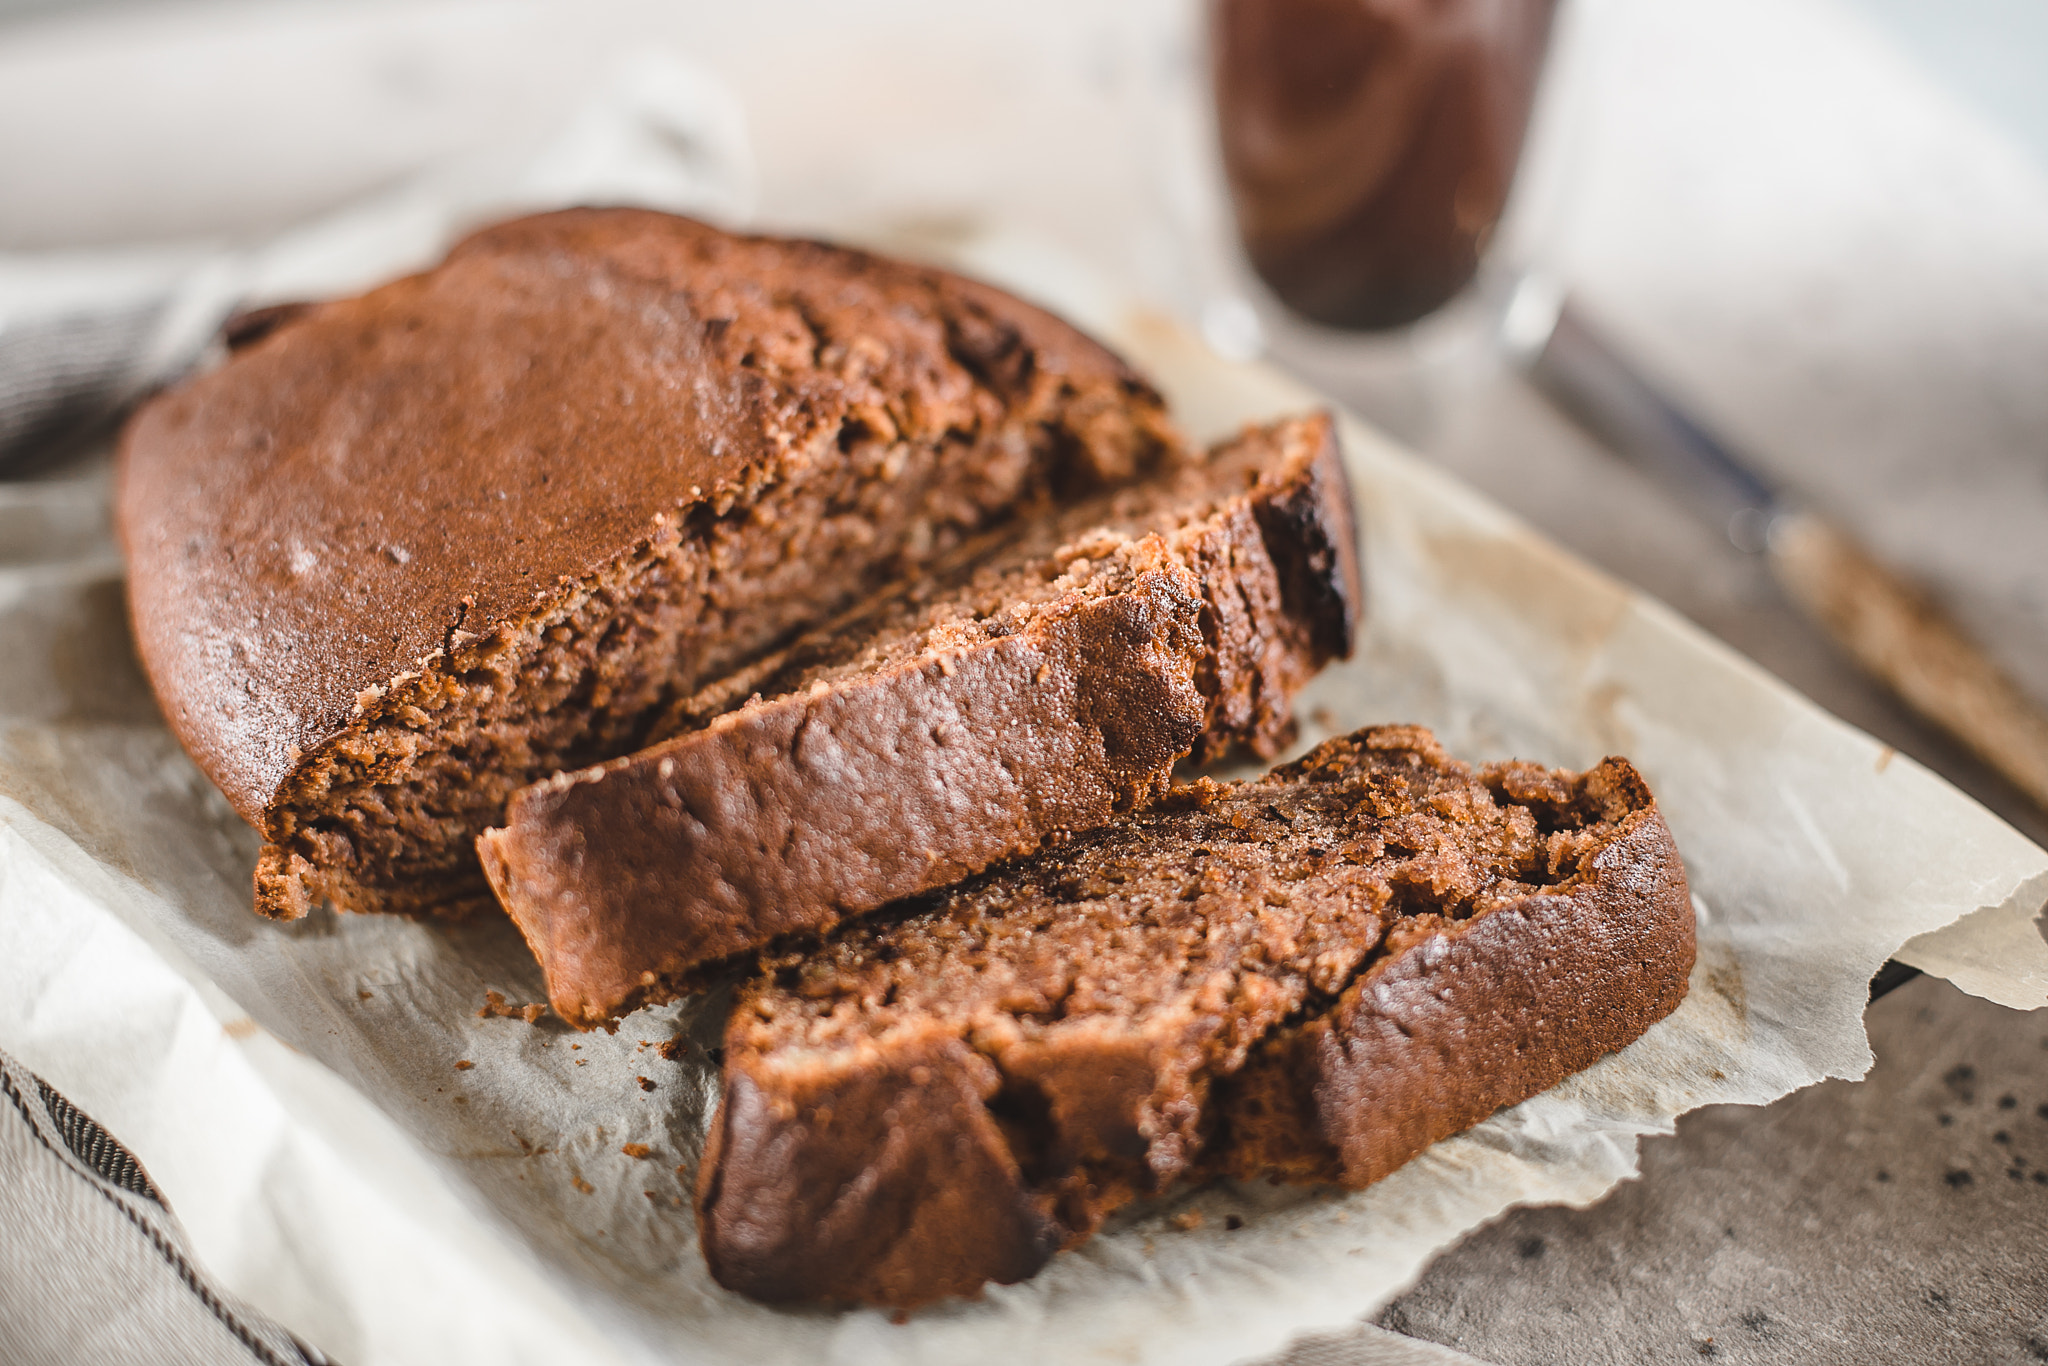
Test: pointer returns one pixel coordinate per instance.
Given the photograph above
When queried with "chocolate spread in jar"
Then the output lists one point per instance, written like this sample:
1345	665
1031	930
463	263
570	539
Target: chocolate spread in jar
1370	143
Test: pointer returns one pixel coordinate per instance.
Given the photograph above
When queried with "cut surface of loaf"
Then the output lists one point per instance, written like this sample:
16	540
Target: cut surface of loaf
1310	976
1041	682
407	552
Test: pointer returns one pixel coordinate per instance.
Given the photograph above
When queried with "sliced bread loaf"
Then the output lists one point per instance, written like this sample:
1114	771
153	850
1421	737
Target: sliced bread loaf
1045	680
1311	976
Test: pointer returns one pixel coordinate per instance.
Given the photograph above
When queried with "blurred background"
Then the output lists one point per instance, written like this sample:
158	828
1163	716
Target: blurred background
1818	227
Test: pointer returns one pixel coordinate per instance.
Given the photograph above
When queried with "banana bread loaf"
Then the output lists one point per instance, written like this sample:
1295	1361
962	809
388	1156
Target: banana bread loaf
1312	976
405	553
1046	680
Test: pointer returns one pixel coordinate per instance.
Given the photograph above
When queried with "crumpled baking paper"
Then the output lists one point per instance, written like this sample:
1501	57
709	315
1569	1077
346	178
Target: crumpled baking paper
399	1178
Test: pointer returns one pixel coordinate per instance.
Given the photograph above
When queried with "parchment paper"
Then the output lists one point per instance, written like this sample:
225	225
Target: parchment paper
299	1090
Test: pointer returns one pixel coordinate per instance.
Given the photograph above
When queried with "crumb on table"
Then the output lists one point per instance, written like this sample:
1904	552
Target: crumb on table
495	1004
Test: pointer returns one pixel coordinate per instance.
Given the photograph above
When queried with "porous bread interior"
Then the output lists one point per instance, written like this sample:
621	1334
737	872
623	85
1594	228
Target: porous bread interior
384	815
1198	929
1000	583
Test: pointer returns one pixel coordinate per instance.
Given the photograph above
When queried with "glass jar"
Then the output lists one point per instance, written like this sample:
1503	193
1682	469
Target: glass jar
1370	144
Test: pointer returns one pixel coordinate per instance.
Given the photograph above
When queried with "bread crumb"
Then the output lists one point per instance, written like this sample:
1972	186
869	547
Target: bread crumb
682	1171
636	1150
645	1084
496	1004
462	1100
463	1065
1188	1220
674	1048
580	1184
363	995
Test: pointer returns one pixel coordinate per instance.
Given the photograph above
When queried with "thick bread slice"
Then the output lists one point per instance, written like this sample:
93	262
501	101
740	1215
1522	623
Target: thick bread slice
1047	681
405	553
1310	976
1455	1021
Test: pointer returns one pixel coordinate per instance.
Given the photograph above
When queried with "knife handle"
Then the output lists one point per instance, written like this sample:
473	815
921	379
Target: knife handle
1893	630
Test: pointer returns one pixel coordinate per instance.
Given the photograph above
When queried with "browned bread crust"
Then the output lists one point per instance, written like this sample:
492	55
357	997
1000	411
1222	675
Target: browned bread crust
1048	683
406	552
946	1095
1452	1024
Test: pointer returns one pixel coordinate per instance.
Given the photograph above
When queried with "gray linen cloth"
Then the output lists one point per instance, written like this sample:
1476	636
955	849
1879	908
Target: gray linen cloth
72	370
93	1266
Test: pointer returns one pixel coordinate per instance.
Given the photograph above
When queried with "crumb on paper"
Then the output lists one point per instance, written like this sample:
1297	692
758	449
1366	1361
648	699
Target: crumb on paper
1188	1220
495	1004
462	1100
652	1196
682	1171
1885	757
364	994
463	1064
645	1084
581	1061
580	1184
674	1048
636	1150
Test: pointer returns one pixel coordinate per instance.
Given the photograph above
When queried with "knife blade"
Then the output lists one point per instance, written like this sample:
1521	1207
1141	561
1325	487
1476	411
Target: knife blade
1885	624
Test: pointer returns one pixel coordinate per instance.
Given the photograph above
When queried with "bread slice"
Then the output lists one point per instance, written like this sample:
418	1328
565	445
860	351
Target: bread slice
1311	976
405	553
1047	680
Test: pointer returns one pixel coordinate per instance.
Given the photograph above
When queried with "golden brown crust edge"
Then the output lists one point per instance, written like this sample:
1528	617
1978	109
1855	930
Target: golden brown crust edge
939	1209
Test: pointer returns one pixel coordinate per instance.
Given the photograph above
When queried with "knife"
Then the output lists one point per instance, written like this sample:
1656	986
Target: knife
1887	625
